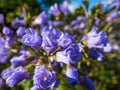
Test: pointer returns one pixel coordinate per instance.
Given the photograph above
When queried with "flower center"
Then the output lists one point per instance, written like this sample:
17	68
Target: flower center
44	78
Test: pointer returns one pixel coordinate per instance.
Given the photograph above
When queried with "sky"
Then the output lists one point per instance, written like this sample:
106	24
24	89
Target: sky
76	3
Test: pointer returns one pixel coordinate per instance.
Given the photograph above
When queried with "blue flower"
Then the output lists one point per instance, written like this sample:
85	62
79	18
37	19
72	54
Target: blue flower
25	51
72	76
97	21
115	3
1	18
18	60
41	19
44	78
107	47
15	76
65	40
64	8
10	41
95	39
113	15
78	20
7	31
76	27
95	54
79	23
23	14
55	23
67	28
87	83
53	62
50	36
4	52
54	10
31	38
116	47
20	32
48	44
5	71
18	22
50	31
69	55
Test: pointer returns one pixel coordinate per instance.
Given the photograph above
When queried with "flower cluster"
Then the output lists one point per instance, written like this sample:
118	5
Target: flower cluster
51	47
14	76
